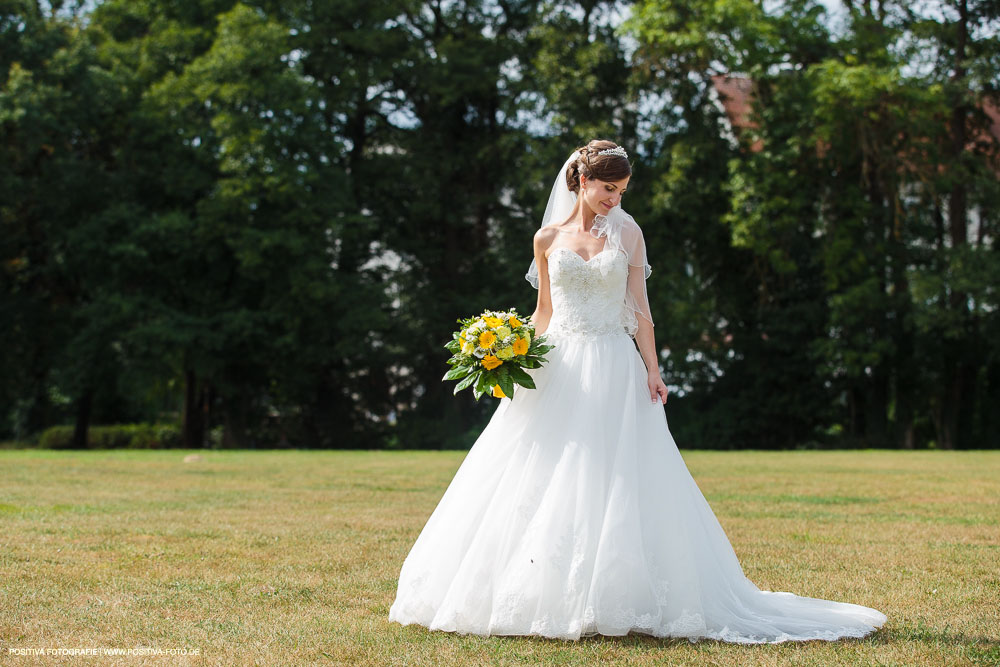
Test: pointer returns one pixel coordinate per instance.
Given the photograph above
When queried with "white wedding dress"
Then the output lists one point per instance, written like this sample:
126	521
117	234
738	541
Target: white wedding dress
574	514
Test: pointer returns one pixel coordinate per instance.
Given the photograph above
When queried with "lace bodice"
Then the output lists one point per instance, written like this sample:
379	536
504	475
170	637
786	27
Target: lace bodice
586	302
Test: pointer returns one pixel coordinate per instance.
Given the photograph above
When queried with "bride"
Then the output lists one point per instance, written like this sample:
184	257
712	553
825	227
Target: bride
573	513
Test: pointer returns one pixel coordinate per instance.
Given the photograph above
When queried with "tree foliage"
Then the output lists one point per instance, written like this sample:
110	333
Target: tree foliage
260	220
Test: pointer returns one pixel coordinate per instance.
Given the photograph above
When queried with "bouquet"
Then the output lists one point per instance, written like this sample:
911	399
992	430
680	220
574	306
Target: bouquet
491	351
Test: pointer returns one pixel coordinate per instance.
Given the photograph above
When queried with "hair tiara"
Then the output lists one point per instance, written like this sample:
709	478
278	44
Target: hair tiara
617	150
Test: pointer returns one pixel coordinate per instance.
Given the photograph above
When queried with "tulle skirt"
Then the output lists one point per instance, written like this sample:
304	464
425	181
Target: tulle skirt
573	514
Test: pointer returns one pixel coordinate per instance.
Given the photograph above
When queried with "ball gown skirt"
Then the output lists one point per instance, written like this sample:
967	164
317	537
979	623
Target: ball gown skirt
573	514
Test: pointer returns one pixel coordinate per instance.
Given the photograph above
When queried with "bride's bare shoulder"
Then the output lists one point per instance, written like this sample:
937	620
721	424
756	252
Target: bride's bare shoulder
543	238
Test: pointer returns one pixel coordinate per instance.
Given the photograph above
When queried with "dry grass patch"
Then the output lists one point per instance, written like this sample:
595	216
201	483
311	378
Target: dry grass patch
278	557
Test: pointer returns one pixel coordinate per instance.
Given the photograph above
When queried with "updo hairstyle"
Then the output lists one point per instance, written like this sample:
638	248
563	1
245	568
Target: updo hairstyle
593	165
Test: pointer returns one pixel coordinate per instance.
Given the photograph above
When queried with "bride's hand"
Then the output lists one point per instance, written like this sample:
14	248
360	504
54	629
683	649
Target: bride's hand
656	387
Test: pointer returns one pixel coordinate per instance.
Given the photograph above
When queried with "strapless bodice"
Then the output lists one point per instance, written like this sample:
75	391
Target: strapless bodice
586	301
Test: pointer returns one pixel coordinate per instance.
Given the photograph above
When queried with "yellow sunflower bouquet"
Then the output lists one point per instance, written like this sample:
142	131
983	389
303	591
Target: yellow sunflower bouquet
491	351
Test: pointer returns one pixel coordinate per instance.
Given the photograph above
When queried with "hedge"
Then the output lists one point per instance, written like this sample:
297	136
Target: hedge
117	436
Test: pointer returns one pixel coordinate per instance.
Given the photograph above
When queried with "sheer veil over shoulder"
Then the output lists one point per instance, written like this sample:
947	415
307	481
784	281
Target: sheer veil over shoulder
622	234
573	513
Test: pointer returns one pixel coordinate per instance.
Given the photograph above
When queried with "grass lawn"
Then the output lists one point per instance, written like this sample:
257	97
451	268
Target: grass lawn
277	557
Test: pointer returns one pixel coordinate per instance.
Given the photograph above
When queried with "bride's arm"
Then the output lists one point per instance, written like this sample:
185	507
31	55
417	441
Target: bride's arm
647	347
637	299
543	307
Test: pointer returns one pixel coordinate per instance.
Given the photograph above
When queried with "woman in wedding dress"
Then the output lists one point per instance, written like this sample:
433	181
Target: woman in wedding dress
573	513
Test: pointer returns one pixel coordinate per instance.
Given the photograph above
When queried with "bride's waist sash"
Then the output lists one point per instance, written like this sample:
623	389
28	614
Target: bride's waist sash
587	334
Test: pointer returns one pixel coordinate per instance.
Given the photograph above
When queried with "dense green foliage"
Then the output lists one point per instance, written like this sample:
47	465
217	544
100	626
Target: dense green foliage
266	217
118	436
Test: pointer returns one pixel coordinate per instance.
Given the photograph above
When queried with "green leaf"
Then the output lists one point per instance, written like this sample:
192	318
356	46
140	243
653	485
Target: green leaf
484	383
506	384
456	373
518	375
466	382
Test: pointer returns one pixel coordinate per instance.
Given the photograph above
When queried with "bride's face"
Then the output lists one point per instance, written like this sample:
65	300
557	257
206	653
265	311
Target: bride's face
602	196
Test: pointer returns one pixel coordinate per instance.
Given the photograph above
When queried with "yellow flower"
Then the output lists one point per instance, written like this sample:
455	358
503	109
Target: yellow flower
520	345
498	392
505	353
486	339
468	347
502	331
514	322
493	322
491	362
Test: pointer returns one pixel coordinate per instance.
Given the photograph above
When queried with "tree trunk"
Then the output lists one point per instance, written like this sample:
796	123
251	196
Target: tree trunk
856	416
905	383
904	371
234	432
878	408
948	421
877	404
192	419
83	409
956	384
206	402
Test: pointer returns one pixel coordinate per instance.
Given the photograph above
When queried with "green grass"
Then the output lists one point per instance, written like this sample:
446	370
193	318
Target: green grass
292	557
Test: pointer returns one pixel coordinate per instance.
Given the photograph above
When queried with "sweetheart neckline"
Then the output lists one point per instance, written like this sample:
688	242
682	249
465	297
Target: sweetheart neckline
585	261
